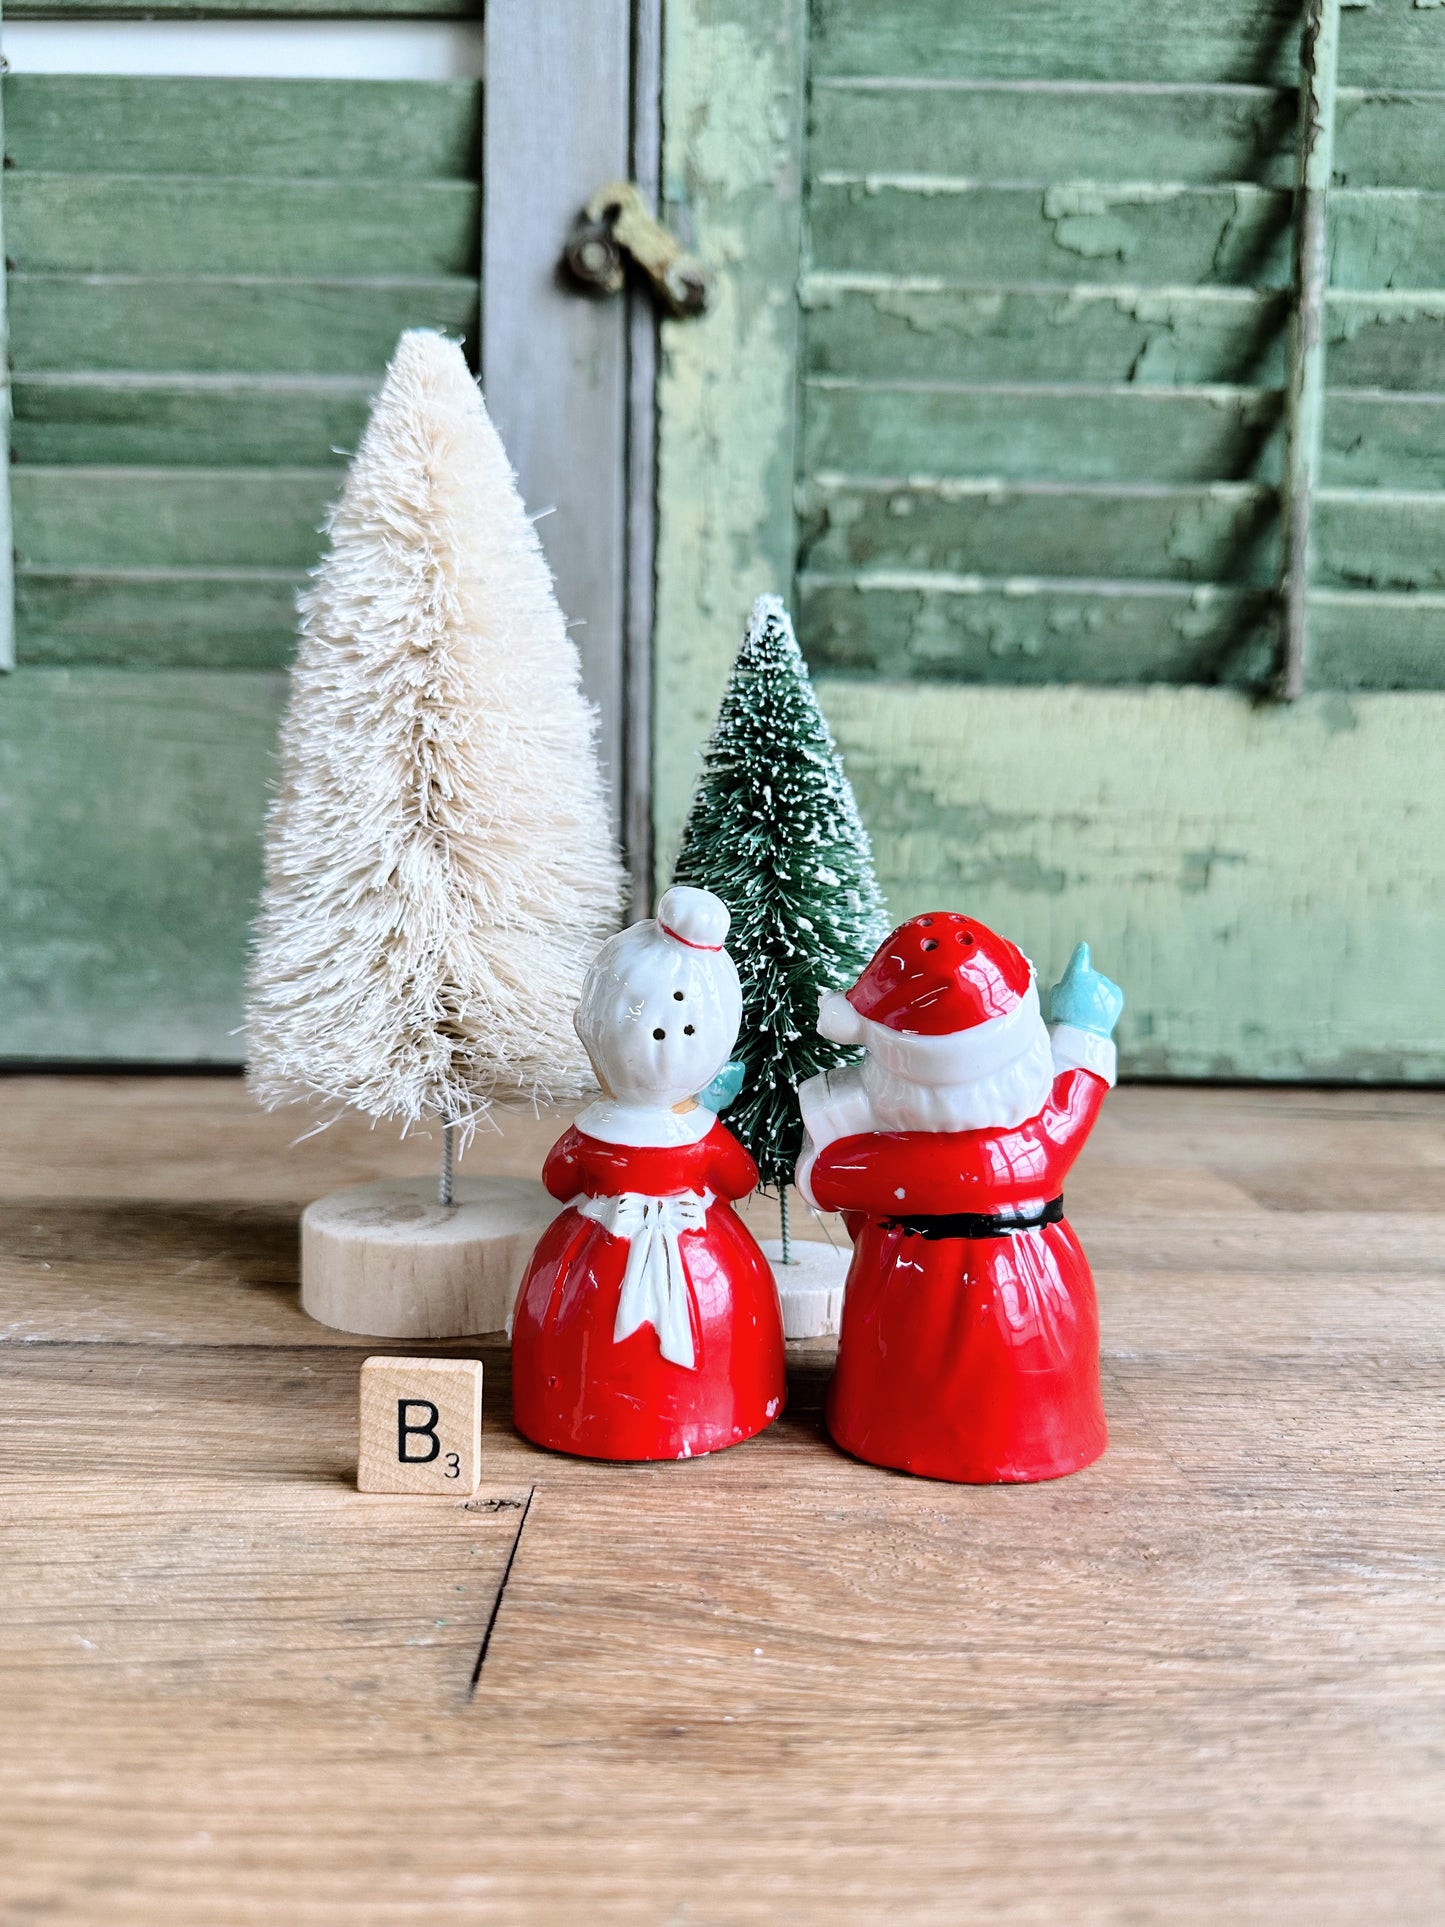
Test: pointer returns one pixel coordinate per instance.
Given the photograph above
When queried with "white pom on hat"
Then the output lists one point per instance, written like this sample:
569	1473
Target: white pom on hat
837	1019
694	917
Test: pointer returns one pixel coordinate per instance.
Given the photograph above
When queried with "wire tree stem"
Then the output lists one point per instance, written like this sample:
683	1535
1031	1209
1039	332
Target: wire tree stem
783	1214
446	1186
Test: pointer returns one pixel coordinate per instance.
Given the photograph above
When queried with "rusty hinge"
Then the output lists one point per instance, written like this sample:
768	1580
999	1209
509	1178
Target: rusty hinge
616	227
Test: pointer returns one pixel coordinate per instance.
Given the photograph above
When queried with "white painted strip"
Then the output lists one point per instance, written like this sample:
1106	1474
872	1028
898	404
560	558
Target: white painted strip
248	49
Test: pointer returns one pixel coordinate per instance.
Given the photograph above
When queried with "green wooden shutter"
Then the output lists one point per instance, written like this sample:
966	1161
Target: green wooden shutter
1045	307
1024	419
205	280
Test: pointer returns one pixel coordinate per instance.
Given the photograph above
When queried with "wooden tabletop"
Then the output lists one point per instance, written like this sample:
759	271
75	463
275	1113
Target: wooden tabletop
1203	1681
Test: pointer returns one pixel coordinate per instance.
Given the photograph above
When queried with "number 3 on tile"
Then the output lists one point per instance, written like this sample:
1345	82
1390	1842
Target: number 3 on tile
421	1424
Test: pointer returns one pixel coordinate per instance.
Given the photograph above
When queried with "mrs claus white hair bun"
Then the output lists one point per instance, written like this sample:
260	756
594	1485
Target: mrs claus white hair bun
694	917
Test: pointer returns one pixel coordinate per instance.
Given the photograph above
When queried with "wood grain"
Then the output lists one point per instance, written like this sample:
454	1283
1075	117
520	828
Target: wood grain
1200	1682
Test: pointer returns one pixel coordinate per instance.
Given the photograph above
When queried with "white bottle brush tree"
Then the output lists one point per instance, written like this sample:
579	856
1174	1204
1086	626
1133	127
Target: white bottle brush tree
774	830
439	868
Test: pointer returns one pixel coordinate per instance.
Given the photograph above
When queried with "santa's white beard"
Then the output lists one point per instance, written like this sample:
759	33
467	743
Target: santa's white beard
1008	1096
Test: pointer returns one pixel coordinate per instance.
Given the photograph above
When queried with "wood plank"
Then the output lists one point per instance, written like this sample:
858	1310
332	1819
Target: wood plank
389	130
189	420
1003	130
1157	235
920	328
1365	538
244	9
158	618
1213	850
233	1657
126	934
728	384
1382	440
1392	43
555	365
73	323
903	625
916	328
7	543
174	124
1096	131
167	224
1220	533
1377	641
1063	433
125	518
1077	433
1162	235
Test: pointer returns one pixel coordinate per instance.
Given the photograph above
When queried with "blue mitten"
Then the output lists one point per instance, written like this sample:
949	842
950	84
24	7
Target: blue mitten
723	1088
1084	998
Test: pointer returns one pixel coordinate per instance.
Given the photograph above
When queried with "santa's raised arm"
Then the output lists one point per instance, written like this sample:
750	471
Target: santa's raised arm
969	1347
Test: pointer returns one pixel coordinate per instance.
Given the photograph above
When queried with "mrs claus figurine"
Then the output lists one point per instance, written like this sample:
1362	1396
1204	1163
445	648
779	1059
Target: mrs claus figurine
647	1325
970	1338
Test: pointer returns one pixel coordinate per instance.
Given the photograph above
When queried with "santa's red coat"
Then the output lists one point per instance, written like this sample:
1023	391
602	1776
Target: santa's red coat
578	1389
965	1358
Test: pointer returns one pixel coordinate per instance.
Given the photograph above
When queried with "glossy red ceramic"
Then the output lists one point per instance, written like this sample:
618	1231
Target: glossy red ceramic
974	1359
579	1389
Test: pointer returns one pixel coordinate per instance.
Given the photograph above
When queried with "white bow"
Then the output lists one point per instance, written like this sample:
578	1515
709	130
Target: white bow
655	1288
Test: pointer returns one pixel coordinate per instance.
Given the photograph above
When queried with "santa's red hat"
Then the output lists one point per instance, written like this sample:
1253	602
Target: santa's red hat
944	1001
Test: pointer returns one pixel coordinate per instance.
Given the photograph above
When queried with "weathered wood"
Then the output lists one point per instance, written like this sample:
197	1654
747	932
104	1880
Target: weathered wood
72	323
7	560
889	327
554	360
734	102
130	815
252	1682
1033	630
1376	641
1221	855
163	224
1165	236
1390	44
379	130
257	9
1225	532
1063	432
1304	387
206	421
118	518
158	618
1141	131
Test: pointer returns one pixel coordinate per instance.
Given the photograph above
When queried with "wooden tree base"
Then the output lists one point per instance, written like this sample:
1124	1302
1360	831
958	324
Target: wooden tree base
811	1287
388	1260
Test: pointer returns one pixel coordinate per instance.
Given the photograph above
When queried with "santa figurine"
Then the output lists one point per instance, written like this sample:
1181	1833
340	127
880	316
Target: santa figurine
970	1337
648	1325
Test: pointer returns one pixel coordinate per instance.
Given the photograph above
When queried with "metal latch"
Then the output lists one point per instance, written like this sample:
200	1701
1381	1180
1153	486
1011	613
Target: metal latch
616	227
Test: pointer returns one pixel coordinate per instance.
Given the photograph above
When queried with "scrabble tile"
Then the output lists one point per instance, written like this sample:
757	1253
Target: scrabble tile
421	1426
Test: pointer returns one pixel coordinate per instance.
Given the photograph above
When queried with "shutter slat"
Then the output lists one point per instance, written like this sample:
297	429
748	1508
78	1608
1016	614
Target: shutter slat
1095	131
991	630
1389	44
170	124
169	224
158	618
185	421
62	323
97	518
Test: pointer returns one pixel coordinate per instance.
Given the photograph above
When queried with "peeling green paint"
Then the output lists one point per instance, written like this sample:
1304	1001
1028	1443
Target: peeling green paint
733	91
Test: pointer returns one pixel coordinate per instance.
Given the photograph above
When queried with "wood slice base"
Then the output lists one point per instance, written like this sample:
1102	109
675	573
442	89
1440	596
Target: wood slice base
386	1259
811	1287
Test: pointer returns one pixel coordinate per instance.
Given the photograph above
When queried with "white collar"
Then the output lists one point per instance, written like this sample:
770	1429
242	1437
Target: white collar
644	1126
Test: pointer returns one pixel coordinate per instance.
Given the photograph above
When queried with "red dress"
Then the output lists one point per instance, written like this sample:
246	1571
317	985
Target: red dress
971	1358
580	1388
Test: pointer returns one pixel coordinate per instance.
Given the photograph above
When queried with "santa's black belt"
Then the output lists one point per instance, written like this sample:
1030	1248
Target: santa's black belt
978	1224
